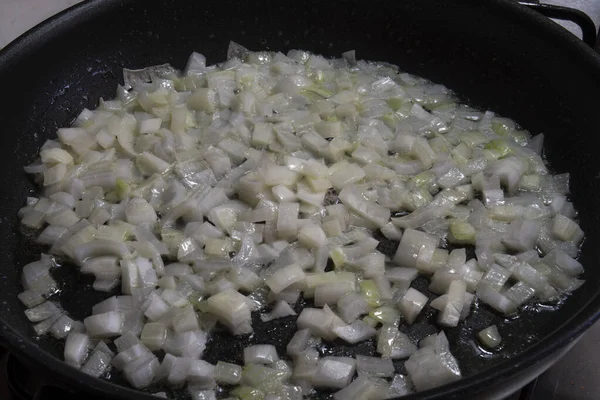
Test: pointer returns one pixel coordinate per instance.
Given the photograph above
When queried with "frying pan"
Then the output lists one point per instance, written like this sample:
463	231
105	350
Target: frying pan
496	54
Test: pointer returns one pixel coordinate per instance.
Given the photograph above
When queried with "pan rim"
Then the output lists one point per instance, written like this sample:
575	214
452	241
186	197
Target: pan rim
570	330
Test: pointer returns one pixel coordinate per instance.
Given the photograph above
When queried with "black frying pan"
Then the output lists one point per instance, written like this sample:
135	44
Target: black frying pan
496	54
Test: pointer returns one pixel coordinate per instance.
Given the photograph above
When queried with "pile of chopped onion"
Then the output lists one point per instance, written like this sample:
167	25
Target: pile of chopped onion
194	191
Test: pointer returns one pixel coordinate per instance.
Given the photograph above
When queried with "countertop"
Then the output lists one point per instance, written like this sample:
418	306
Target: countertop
17	16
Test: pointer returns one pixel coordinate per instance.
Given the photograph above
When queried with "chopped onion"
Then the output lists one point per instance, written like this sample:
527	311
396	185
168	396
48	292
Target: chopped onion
355	332
76	348
374	366
394	344
334	372
433	366
351	306
411	304
490	337
260	354
104	325
298	342
247	178
97	364
229	374
41	312
280	310
285	277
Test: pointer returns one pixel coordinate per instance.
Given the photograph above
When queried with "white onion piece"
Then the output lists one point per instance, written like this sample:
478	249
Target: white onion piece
312	236
392	343
299	342
201	373
226	373
104	325
355	332
76	348
141	372
411	304
285	277
41	312
363	387
305	364
126	341
280	310
449	315
260	354
62	327
44	327
334	372
154	335
98	248
490	337
320	322
400	386
97	364
351	306
126	357
30	298
231	308
331	293
165	367
433	366
202	394
414	244
374	366
138	211
495	299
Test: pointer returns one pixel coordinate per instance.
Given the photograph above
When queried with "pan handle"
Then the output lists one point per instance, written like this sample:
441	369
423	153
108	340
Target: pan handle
588	29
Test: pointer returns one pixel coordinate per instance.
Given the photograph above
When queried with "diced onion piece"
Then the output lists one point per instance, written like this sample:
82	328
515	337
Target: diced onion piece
104	325
76	348
280	310
331	293
298	342
490	337
312	236
260	354
334	372
415	246
201	372
450	314
355	332
566	229
285	277
41	312
231	308
154	335
411	304
97	364
30	298
392	343
433	366
141	372
229	374
495	299
98	248
320	322
374	366
351	306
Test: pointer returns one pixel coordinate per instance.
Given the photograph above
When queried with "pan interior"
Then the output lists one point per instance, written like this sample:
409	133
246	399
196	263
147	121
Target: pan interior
507	67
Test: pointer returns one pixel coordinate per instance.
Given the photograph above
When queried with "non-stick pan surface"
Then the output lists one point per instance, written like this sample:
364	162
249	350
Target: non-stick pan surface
495	54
